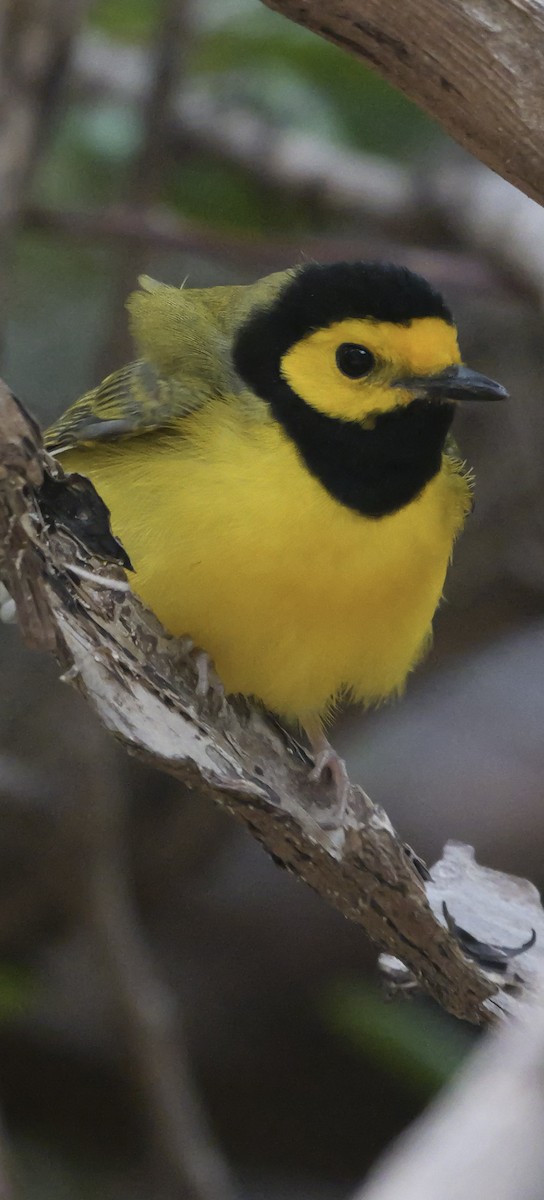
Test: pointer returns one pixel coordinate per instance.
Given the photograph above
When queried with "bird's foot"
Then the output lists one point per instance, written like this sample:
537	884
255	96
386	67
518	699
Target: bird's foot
327	761
209	686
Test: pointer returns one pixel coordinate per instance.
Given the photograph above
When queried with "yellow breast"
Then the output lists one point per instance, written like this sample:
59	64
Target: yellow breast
296	598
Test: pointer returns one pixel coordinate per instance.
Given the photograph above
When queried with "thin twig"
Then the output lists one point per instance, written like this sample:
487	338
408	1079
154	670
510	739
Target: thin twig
35	42
166	59
187	1157
160	229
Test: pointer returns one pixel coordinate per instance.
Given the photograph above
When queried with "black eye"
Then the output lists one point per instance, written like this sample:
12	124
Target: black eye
353	360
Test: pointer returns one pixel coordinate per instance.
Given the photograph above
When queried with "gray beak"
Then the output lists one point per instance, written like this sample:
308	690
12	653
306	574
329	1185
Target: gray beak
455	383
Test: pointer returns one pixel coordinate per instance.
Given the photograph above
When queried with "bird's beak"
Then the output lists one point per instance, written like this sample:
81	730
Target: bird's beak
454	383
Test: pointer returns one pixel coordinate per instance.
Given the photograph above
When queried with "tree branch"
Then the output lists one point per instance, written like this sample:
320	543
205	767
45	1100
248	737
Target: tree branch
150	1024
160	229
165	57
35	42
72	598
482	1139
337	177
402	203
474	65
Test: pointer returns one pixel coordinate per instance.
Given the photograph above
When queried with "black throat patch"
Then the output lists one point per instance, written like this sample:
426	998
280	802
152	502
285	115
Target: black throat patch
374	471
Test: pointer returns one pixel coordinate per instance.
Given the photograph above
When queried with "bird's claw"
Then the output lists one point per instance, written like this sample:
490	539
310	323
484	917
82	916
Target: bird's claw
328	761
209	686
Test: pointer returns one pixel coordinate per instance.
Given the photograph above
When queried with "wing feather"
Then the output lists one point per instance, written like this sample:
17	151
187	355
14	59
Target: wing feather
133	401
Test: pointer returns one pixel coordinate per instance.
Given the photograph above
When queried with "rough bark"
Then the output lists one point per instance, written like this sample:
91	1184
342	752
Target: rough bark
476	66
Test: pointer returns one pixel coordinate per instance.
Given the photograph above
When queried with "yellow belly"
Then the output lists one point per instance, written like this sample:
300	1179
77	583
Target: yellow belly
296	598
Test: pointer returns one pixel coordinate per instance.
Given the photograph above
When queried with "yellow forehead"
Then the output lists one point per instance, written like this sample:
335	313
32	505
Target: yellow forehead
423	347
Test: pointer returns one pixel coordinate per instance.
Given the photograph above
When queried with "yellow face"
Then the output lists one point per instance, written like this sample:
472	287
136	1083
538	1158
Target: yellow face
425	346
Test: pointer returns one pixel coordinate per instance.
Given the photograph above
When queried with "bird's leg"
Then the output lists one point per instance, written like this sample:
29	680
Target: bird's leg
208	683
326	760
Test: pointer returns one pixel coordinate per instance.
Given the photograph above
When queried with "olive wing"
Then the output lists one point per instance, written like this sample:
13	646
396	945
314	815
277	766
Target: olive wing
133	401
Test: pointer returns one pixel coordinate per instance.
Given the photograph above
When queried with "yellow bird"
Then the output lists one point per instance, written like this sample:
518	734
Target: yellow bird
277	466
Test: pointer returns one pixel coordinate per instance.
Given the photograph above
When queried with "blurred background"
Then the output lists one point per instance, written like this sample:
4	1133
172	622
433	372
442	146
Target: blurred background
178	1018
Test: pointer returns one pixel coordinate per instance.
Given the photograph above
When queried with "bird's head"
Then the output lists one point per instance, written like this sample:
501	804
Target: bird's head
360	366
355	340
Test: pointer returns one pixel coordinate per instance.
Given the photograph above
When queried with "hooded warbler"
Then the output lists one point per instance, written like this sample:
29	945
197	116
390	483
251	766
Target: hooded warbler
277	465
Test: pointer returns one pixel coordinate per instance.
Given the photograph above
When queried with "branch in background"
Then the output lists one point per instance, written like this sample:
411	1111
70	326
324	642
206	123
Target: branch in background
340	179
141	683
474	65
160	229
165	64
35	43
335	178
503	224
482	1139
167	55
186	1156
490	216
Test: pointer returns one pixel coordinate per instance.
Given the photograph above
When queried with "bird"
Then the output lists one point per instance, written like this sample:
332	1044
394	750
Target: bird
278	465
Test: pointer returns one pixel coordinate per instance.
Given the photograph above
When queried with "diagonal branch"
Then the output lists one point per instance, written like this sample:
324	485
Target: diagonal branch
474	65
70	599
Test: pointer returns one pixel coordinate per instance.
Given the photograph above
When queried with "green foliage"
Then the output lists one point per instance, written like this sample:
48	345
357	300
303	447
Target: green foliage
259	54
246	54
59	311
127	20
241	55
225	197
45	1171
89	156
17	990
415	1043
